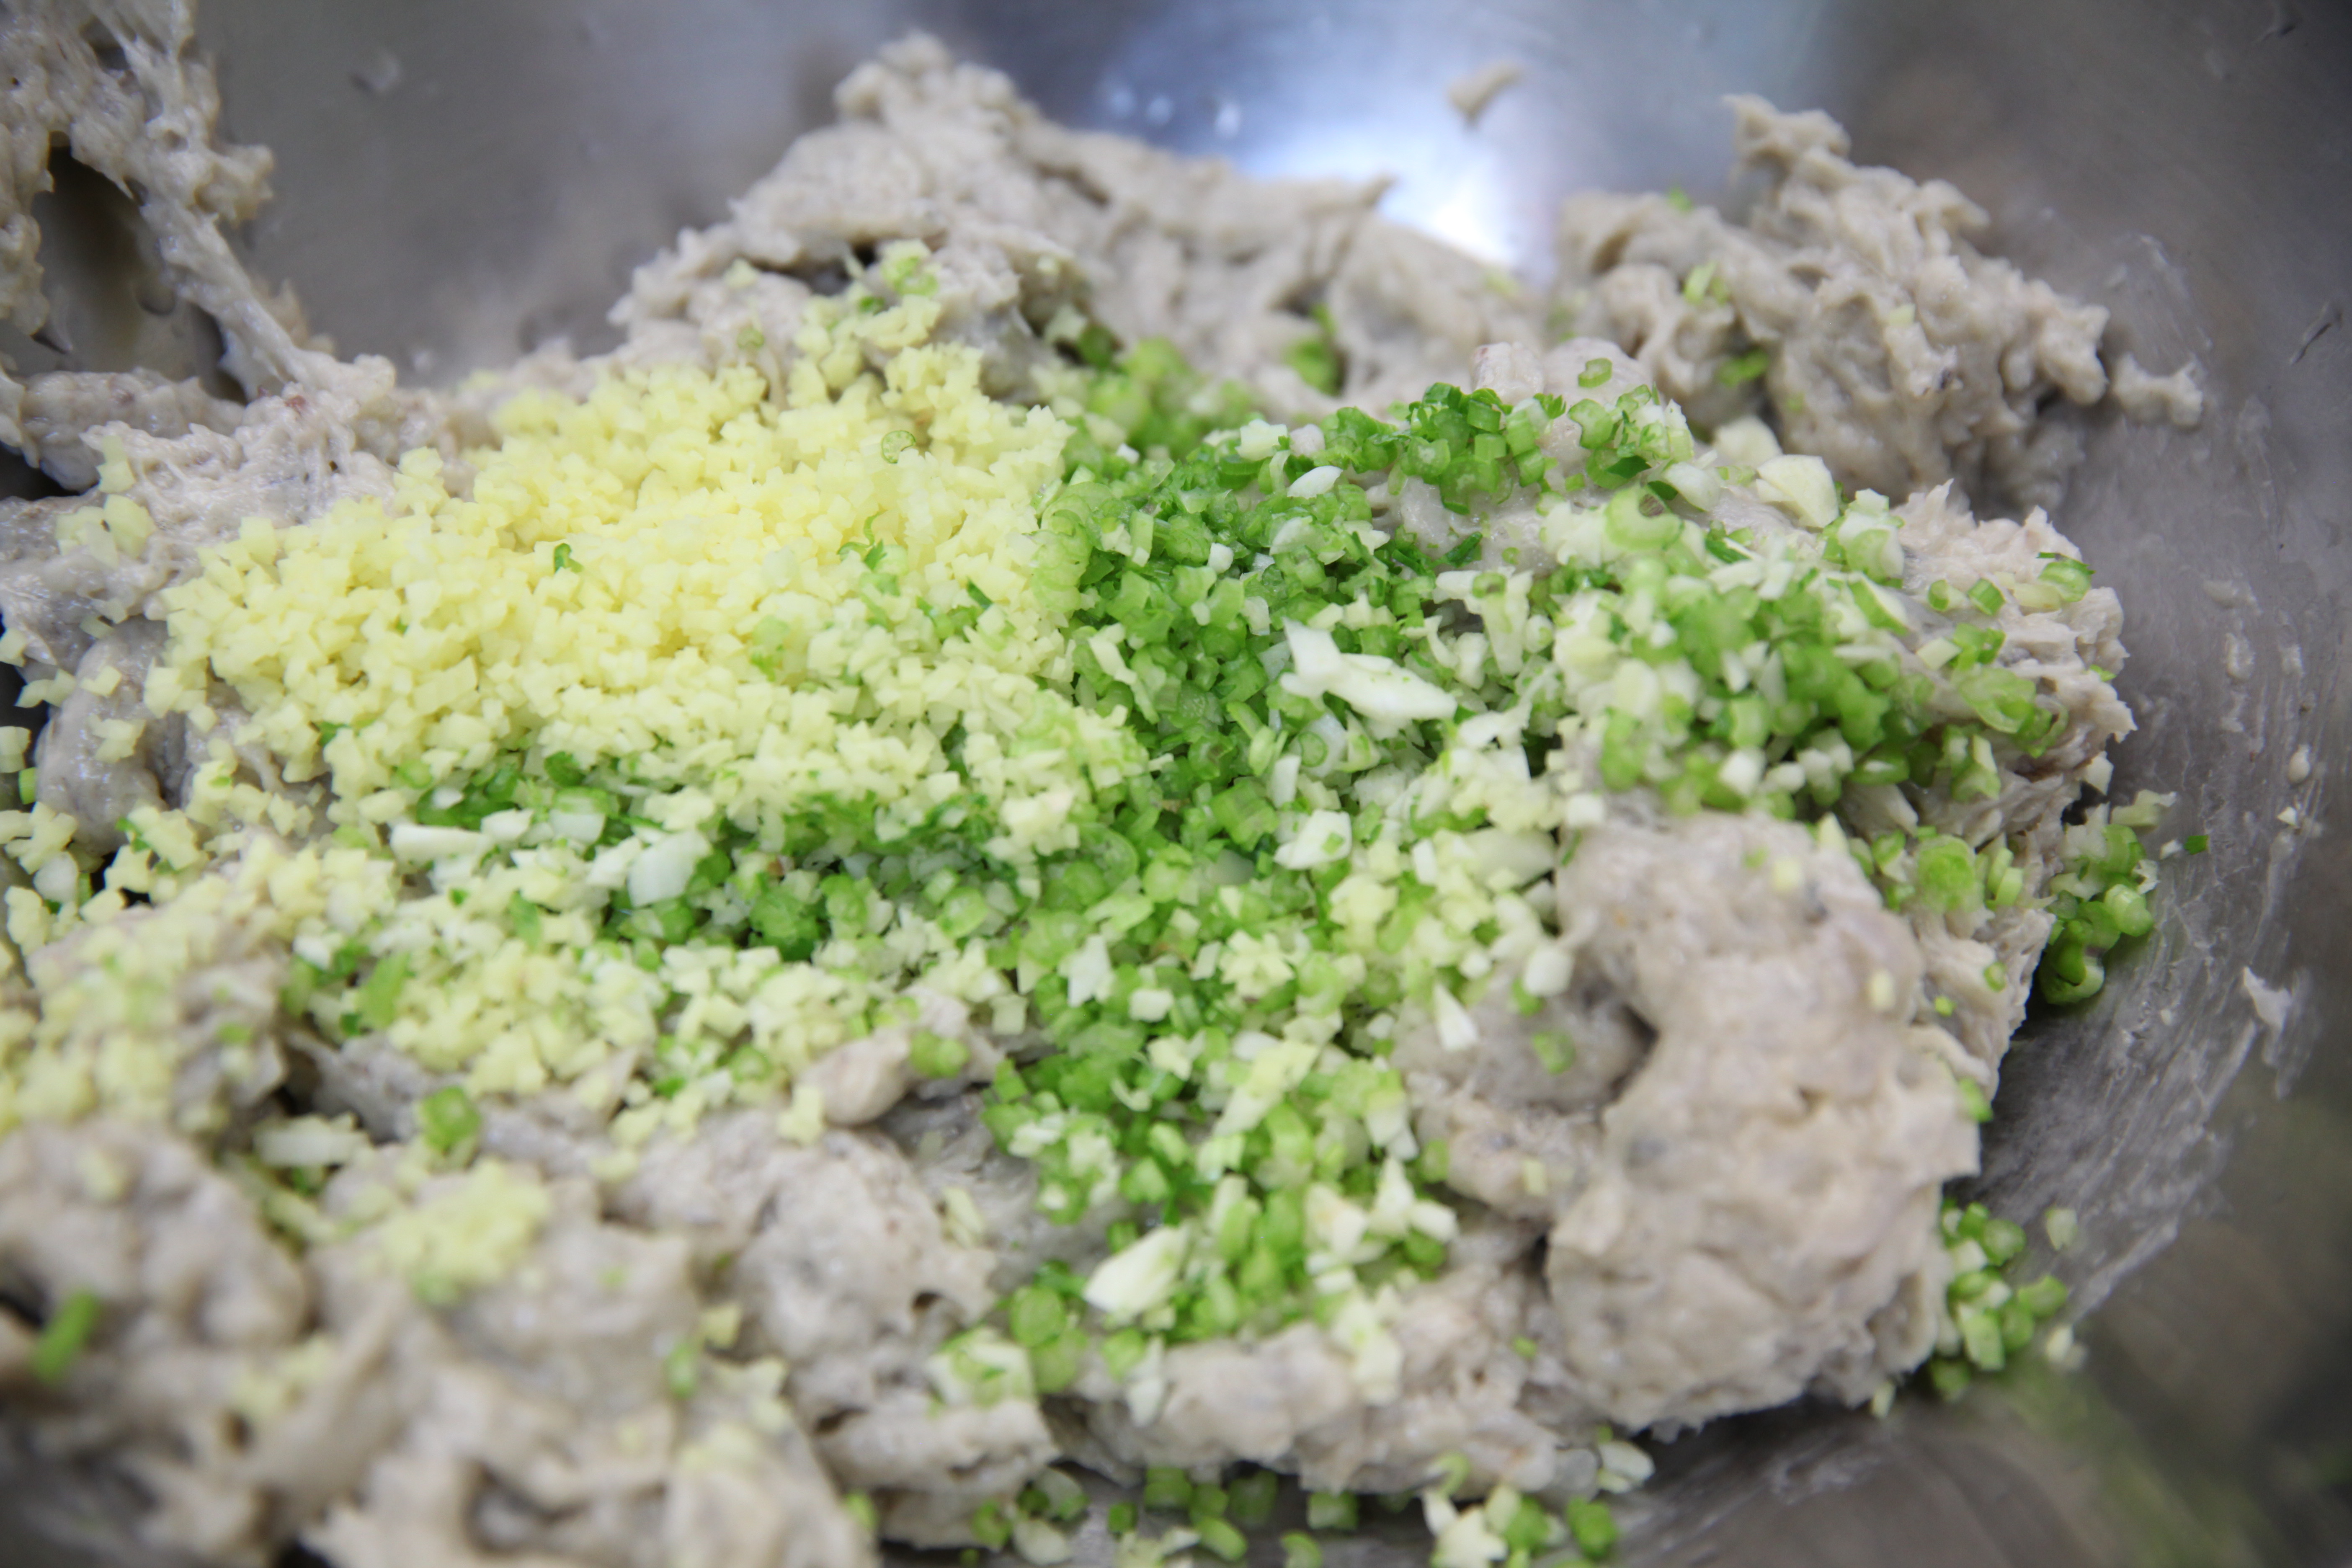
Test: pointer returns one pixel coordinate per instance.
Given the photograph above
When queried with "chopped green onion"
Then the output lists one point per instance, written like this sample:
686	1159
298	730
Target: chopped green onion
1059	1496
1095	345
1316	360
1219	1536
1430	1164
1330	1510
1528	1527
447	1119
680	1373
2128	907
2069	576
937	1055
2003	698
2042	1297
1592	1525
1555	1048
64	1336
1980	1340
1055	1365
1301	1551
1253	1498
1741	369
1036	1315
1166	1487
1947	874
2071	972
1123	1352
1640	520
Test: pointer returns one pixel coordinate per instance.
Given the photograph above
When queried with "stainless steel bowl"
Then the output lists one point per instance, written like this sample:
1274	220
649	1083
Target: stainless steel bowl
459	179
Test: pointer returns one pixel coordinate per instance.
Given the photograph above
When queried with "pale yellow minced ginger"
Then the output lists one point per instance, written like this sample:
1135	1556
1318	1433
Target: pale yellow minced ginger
464	1232
603	592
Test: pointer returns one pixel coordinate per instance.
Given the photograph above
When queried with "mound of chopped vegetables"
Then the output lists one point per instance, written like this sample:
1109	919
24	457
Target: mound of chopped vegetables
716	720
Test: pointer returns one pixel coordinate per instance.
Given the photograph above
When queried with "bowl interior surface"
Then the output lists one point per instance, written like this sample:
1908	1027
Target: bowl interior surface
461	180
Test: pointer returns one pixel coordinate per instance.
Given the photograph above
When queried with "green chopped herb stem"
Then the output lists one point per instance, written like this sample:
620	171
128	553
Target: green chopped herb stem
447	1119
1166	1487
65	1336
1331	1511
1592	1525
1741	369
1252	1498
680	1372
1219	1536
937	1055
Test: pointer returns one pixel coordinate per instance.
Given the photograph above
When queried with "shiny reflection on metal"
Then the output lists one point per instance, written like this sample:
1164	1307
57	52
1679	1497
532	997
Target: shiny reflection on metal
461	179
